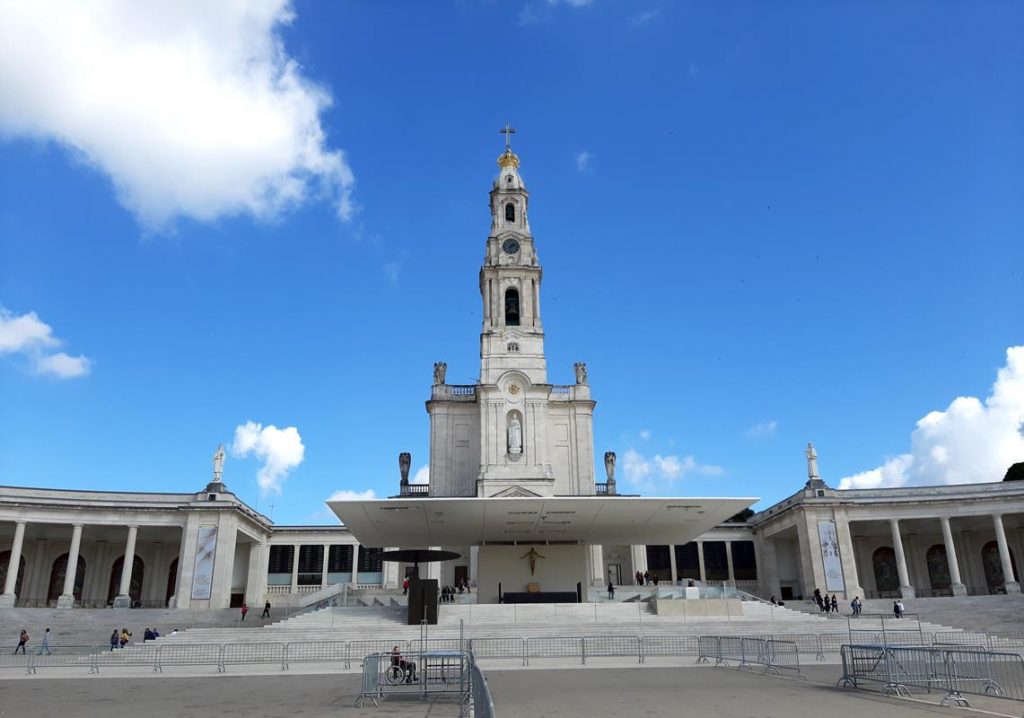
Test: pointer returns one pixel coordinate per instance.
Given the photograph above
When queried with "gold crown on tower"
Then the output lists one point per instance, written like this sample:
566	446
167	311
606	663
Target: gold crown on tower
508	159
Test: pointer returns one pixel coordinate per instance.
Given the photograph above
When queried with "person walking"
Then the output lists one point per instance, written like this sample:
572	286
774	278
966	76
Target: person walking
405	586
266	610
245	610
611	591
835	604
125	637
22	640
45	646
114	638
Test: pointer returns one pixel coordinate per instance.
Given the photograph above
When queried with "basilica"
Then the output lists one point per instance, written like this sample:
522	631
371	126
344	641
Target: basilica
514	493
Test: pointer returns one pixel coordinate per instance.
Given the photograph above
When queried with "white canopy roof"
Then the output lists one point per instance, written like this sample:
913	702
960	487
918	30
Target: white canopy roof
582	519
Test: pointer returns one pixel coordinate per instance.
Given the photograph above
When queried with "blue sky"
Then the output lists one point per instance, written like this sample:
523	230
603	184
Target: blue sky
761	224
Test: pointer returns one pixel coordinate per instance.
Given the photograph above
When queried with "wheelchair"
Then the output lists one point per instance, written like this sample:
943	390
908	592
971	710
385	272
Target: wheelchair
397	674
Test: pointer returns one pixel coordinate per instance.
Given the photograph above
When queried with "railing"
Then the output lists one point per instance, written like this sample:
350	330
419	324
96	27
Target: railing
954	670
774	654
780	652
420	673
415	490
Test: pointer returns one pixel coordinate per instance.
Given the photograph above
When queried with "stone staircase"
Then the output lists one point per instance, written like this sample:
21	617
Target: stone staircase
987	614
92	626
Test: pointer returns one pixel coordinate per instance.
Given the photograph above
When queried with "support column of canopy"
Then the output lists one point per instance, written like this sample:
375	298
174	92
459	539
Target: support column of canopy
731	575
1011	584
325	565
67	596
700	561
296	550
956	585
474	564
434	567
638	553
355	564
8	598
123	598
596	555
673	569
906	590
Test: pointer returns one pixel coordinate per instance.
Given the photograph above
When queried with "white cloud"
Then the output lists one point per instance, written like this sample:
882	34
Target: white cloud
28	335
571	3
971	441
645	17
391	271
193	108
422	475
583	159
761	429
645	434
635	467
63	366
281	450
346	495
645	473
20	333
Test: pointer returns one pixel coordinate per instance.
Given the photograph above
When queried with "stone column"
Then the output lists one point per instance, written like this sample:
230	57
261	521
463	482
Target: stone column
672	564
728	562
67	596
906	590
848	558
38	572
355	564
8	598
956	585
1012	585
768	567
700	561
123	599
186	562
157	575
256	581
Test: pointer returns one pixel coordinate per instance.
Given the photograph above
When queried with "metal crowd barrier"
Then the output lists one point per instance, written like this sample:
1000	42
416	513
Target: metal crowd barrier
748	651
483	703
573	648
420	673
955	670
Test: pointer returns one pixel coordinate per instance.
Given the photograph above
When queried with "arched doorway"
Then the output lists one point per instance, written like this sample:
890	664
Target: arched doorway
938	567
887	578
5	563
172	581
135	588
57	574
994	578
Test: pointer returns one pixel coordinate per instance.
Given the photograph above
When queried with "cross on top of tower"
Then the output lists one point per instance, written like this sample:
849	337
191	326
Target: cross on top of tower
508	130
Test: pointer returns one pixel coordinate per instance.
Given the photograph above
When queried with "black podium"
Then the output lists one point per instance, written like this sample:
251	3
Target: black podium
422	600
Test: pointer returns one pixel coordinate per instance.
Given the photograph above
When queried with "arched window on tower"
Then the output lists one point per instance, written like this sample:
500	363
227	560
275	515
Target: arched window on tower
510	212
512	307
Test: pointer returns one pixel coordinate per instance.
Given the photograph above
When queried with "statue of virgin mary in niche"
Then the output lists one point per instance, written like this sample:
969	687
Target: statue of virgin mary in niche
515	435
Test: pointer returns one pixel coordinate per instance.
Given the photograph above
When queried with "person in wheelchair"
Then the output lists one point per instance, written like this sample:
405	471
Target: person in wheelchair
401	667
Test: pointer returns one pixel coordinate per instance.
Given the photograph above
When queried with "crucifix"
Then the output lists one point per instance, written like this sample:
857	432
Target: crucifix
508	131
533	555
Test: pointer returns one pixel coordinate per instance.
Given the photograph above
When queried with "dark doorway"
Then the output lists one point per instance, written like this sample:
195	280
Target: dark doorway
172	581
461	575
5	563
134	588
57	574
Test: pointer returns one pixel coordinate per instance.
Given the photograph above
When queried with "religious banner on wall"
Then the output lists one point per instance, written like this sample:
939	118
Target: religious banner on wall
202	578
829	542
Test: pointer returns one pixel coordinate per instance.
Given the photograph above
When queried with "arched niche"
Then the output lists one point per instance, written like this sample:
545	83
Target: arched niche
883	561
57	573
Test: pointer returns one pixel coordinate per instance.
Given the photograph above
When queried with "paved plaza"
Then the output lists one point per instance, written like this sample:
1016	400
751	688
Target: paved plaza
521	693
